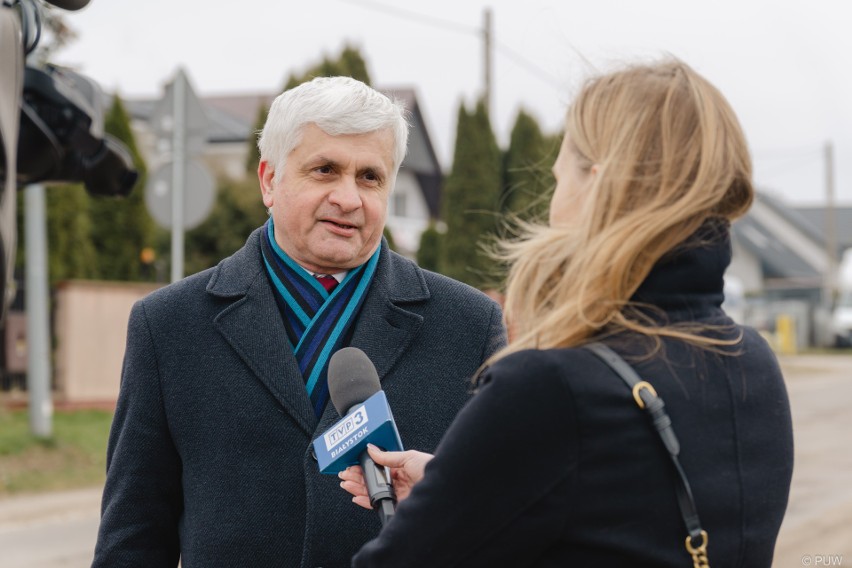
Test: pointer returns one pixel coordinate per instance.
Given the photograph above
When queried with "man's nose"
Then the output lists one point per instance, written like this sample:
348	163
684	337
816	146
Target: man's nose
346	195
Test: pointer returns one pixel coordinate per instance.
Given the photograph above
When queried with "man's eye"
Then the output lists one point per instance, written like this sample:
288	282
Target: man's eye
324	170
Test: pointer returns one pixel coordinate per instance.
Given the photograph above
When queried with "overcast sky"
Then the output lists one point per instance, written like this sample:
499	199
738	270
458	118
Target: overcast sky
785	66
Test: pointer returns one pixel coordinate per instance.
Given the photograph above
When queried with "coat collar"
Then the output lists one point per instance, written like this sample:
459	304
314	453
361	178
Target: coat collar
691	276
252	323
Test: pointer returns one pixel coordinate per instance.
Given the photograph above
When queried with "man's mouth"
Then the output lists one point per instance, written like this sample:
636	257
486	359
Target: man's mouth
344	226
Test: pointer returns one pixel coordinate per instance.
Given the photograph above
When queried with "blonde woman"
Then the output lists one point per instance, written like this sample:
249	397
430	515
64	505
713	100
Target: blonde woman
552	463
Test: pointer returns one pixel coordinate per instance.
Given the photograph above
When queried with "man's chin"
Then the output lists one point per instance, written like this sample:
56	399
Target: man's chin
335	260
342	254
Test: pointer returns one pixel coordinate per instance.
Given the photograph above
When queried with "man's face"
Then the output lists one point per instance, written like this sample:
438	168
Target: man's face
330	203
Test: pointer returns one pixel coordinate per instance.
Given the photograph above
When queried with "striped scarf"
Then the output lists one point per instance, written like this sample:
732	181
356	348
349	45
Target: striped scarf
317	321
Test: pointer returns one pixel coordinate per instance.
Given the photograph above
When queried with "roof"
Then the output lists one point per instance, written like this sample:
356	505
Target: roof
222	125
817	217
789	243
777	260
813	221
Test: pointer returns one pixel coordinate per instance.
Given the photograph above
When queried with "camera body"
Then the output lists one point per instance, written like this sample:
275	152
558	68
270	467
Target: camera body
52	127
61	135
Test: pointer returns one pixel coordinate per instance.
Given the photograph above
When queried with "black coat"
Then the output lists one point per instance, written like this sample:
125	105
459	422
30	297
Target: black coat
553	464
209	455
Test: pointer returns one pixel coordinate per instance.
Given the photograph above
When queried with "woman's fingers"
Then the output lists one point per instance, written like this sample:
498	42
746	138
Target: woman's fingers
352	481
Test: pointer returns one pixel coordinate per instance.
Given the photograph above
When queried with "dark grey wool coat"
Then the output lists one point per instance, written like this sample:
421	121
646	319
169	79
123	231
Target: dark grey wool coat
209	455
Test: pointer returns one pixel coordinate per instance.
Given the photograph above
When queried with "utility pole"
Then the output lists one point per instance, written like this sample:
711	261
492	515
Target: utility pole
38	321
830	229
178	173
487	40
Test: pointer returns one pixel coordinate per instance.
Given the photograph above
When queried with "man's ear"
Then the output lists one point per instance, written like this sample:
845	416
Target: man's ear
265	174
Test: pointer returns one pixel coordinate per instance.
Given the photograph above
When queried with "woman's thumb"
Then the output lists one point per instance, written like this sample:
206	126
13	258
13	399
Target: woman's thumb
381	457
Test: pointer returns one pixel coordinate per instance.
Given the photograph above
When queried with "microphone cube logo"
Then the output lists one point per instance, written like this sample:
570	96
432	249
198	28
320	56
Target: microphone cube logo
341	445
340	431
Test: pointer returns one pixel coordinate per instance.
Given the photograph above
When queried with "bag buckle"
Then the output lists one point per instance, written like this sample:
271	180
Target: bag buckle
637	389
698	553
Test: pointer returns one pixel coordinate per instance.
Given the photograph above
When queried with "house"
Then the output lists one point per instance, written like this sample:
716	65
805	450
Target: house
782	250
782	261
231	118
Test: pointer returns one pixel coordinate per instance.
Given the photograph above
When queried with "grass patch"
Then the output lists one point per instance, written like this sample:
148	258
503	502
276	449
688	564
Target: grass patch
74	456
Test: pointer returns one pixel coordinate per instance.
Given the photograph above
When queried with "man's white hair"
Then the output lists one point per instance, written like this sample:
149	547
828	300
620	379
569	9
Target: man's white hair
338	106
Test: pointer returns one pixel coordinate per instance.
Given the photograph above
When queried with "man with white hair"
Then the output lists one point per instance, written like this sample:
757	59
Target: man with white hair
224	382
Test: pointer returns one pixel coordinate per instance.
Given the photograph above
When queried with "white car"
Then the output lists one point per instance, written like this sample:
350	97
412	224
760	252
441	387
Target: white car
841	320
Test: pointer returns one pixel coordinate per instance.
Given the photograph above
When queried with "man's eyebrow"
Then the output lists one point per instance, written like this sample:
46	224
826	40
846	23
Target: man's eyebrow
321	160
377	170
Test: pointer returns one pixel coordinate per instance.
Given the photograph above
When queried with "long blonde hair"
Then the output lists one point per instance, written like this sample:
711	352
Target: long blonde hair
669	154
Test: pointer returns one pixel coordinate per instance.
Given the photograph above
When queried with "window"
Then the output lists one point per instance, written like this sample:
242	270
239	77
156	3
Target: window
398	207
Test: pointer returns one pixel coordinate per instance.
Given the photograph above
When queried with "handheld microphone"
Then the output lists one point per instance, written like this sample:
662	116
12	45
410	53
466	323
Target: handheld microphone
357	395
69	5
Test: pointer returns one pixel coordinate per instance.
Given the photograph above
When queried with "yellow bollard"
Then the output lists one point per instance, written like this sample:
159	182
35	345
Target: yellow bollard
785	332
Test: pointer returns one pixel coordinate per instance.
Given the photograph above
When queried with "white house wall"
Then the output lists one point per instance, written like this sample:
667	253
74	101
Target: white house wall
746	268
406	225
227	159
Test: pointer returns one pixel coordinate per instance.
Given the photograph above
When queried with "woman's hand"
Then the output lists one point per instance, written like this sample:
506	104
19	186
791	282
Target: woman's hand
406	470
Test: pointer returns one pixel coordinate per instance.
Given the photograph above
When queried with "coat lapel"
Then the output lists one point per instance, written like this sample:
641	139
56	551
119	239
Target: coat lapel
253	327
385	328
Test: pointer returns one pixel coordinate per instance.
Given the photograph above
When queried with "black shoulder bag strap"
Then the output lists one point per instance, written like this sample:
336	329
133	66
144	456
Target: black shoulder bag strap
646	398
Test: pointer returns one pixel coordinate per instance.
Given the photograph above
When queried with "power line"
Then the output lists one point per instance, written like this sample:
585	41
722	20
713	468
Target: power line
787	152
416	17
421	18
525	63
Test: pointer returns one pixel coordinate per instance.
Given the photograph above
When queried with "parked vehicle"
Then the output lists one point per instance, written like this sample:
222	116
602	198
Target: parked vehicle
841	319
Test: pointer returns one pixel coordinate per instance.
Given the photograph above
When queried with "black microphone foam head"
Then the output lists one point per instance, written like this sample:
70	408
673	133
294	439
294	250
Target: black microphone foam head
70	5
352	379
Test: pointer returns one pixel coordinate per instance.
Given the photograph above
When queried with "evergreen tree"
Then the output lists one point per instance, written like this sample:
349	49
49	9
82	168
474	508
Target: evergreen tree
429	252
388	235
237	212
527	179
122	227
253	158
70	252
471	199
350	63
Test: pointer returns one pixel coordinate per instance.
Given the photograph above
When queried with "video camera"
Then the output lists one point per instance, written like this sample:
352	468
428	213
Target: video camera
56	116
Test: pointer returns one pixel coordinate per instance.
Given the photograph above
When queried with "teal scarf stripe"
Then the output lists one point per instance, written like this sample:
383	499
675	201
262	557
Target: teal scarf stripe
344	322
285	293
307	277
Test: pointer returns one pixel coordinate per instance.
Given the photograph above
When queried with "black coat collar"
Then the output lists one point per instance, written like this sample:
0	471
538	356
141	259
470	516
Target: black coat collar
691	276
